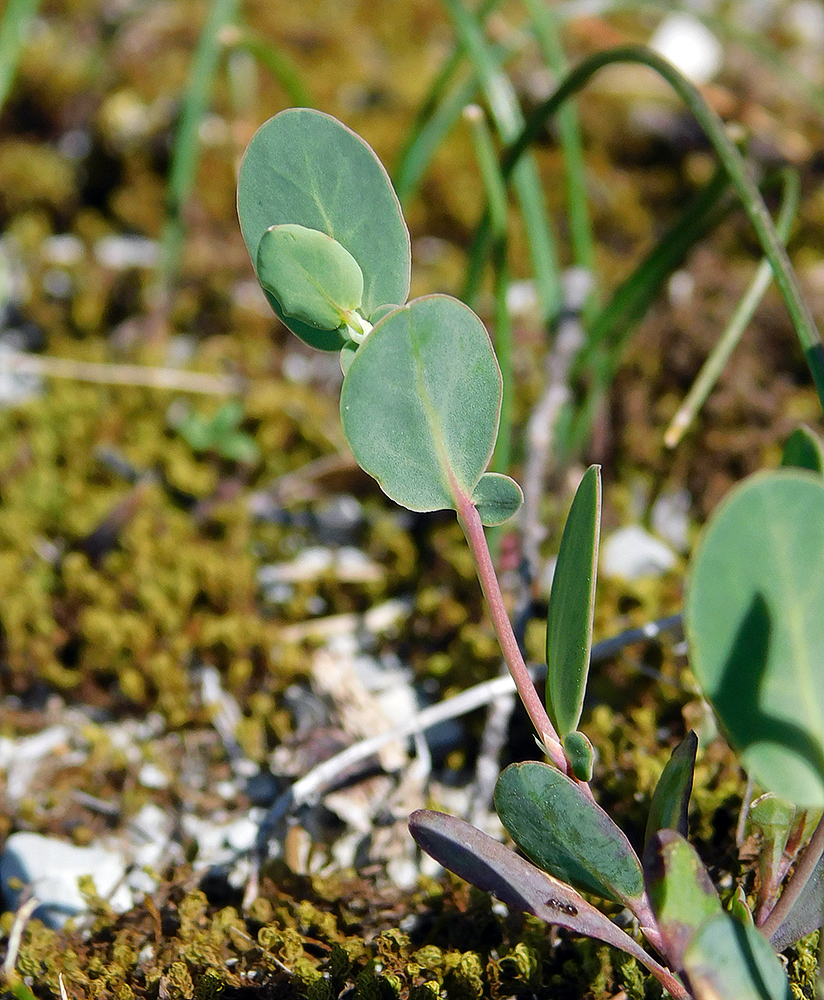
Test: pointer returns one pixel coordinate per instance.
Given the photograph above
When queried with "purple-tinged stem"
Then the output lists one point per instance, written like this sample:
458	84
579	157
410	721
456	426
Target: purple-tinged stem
470	522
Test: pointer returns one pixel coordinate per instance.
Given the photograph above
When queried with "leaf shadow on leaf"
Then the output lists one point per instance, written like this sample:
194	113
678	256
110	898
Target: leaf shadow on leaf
736	699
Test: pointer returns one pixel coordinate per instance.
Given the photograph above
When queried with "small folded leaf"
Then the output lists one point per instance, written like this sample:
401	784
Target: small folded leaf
680	892
728	959
313	277
491	867
565	833
307	168
497	498
754	622
671	799
804	450
739	907
572	605
421	400
579	753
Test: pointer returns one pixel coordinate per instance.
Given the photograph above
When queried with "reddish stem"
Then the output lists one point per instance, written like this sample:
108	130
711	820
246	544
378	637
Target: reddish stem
470	521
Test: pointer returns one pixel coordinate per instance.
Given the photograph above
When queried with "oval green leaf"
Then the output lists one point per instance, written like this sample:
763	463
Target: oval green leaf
565	833
421	400
306	168
572	605
754	617
314	279
497	498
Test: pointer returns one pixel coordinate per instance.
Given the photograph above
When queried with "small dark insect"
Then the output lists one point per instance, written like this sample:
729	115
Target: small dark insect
561	906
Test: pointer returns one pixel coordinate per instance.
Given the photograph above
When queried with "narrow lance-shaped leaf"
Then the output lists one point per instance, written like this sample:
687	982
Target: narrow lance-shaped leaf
306	168
491	867
565	833
421	400
671	799
755	626
572	605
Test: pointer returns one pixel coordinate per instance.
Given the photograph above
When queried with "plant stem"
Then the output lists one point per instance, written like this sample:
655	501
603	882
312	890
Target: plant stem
470	522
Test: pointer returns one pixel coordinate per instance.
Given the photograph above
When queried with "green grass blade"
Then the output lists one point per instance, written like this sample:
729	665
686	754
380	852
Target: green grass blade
506	112
197	96
740	319
14	30
495	188
732	162
276	62
435	117
610	331
572	606
545	26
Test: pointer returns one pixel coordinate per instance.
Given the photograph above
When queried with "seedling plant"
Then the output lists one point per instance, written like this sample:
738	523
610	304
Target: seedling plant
420	407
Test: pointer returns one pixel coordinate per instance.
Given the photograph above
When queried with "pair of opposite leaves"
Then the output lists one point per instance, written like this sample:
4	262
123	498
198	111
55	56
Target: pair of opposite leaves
421	400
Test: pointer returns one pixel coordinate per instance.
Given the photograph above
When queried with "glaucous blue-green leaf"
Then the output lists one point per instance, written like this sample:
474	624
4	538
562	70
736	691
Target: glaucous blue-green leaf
680	892
804	450
671	799
314	278
572	605
306	168
421	400
755	624
497	498
565	833
491	867
727	959
579	753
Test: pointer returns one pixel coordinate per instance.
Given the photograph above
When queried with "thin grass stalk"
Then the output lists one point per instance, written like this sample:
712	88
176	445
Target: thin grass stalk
740	319
197	96
610	331
15	26
732	162
423	138
508	118
545	27
420	152
495	189
274	61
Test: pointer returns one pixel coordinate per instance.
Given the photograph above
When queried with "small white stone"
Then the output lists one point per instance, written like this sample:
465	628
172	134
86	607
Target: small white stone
123	252
50	868
63	250
632	553
689	46
670	518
